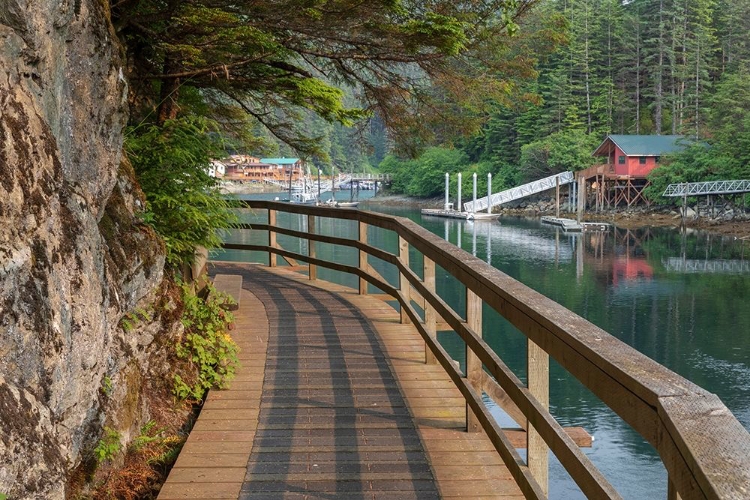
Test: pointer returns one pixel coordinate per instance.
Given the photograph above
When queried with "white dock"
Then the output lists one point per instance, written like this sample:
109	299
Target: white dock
455	214
571	225
567	224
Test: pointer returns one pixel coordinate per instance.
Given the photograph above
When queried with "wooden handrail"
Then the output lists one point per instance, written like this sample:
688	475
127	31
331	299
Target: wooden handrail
705	450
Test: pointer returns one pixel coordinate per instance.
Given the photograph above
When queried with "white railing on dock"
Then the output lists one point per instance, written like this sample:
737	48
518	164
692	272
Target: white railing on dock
707	188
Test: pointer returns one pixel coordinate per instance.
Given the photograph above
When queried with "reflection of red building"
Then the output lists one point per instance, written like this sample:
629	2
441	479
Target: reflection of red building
630	268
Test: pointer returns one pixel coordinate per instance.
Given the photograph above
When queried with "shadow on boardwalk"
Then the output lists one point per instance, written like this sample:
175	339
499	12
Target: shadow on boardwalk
332	421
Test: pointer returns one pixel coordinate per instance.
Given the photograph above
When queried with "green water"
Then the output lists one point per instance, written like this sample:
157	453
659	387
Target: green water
681	299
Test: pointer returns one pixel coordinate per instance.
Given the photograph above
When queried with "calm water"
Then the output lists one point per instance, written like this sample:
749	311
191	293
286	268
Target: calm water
681	299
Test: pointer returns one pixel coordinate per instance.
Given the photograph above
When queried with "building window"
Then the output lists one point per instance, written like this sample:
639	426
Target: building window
657	159
642	160
621	160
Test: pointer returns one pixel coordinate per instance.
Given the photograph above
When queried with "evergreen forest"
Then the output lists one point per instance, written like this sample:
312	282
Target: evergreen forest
617	67
520	89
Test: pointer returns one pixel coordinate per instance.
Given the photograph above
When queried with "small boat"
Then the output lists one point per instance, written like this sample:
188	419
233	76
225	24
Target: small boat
341	204
347	204
304	198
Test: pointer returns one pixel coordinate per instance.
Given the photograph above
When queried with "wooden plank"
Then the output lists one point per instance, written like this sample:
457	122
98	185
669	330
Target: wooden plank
212	462
426	402
501	398
537	451
312	271
404	287
363	264
474	369
230	284
272	237
430	318
630	383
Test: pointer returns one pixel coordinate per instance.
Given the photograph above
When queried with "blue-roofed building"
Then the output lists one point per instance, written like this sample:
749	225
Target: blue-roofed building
286	167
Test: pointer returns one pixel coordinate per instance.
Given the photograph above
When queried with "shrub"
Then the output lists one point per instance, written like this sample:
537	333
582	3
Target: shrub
109	446
206	343
184	204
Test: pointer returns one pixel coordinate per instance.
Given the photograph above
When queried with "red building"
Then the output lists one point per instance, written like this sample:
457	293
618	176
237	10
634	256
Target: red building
620	180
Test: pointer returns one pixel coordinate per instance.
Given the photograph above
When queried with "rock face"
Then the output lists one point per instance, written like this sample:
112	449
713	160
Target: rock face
73	258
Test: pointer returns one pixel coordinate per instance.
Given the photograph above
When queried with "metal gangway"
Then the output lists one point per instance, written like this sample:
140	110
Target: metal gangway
707	188
519	192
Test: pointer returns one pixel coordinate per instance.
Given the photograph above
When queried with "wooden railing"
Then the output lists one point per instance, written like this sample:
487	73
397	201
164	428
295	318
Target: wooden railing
705	450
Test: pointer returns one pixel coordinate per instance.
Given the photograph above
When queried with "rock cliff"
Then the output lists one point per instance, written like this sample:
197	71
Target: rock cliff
73	257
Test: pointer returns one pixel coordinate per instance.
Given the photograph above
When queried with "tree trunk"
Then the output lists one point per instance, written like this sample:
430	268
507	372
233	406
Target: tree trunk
170	89
658	91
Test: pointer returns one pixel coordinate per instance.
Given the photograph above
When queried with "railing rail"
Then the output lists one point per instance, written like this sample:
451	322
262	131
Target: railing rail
705	450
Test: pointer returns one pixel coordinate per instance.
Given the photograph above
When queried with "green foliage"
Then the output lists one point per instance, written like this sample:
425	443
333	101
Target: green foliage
276	62
108	447
726	155
183	202
107	385
206	345
156	445
132	319
428	177
696	163
424	176
558	152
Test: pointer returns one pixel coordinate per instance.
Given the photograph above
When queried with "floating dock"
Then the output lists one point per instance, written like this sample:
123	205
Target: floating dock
455	214
569	225
573	226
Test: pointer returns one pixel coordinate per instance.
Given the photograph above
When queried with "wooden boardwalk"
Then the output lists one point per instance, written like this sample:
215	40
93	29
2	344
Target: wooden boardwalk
333	400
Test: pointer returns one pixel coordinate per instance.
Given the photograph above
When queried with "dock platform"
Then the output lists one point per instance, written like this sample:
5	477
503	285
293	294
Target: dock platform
568	225
333	400
455	214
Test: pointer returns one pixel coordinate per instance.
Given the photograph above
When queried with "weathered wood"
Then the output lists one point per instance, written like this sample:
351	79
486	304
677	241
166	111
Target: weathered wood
363	264
501	398
272	237
578	434
473	364
628	382
404	287
230	284
578	465
537	363
371	445
430	318
213	460
312	269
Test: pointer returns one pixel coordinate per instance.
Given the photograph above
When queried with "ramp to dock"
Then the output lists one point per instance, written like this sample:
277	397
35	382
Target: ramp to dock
519	192
333	400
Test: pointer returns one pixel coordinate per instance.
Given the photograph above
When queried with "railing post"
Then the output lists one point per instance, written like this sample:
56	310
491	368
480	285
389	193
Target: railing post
363	264
672	493
271	237
403	283
473	365
430	317
312	269
538	382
